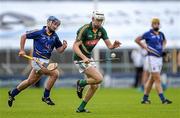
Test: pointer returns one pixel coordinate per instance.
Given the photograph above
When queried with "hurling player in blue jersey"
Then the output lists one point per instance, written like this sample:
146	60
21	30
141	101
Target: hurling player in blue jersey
155	44
45	40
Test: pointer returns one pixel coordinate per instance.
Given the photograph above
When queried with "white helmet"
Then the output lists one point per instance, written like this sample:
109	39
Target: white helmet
98	15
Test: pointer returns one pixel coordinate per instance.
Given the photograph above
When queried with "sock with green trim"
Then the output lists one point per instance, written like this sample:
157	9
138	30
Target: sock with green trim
82	105
83	82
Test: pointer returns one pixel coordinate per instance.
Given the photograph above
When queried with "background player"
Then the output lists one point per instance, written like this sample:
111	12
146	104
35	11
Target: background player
45	40
137	58
155	44
87	38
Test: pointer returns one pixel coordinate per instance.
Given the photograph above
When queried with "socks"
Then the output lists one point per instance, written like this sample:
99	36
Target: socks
82	105
15	92
83	82
142	87
46	93
145	97
161	96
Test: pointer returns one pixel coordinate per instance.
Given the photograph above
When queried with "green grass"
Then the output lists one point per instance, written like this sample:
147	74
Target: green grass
107	103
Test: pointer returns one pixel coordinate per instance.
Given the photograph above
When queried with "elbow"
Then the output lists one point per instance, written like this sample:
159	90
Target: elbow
61	50
111	47
75	45
136	41
23	36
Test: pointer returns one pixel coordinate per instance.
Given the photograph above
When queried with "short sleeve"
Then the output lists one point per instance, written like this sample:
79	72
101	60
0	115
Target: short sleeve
81	33
104	34
32	34
145	36
57	43
163	36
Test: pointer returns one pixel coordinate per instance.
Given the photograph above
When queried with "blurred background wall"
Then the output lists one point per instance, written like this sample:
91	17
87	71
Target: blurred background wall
124	21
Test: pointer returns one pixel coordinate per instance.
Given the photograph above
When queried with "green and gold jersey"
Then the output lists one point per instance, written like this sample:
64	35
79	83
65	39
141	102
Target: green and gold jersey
89	39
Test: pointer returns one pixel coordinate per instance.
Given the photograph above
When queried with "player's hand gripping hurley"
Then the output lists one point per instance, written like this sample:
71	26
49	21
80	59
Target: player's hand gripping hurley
50	67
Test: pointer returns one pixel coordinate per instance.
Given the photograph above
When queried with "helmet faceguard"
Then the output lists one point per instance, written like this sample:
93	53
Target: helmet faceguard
53	19
52	22
98	16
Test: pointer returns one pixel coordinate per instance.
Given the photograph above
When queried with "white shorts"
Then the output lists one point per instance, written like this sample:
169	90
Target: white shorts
83	66
36	66
154	64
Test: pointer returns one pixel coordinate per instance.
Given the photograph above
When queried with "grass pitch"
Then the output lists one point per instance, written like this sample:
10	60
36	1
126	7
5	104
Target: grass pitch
107	103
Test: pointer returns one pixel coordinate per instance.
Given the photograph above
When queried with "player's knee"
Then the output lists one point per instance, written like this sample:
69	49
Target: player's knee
55	74
94	87
156	77
99	79
157	80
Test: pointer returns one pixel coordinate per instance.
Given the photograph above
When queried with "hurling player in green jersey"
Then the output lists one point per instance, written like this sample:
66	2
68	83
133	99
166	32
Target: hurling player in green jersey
87	38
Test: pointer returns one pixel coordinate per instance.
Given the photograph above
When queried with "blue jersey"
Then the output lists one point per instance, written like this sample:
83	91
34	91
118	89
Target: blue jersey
43	43
154	42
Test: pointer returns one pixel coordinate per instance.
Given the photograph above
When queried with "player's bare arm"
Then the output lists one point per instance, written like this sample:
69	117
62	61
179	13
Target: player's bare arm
116	44
76	49
164	43
138	41
22	44
63	47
